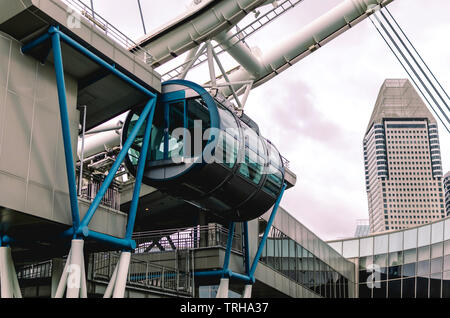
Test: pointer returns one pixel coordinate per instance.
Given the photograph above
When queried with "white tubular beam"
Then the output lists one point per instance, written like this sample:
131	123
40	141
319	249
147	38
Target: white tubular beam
222	292
97	143
6	288
75	269
190	60
247	291
240	52
122	273
212	71
204	22
301	43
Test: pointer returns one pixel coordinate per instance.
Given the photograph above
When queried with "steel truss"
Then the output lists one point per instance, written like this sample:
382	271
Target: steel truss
74	276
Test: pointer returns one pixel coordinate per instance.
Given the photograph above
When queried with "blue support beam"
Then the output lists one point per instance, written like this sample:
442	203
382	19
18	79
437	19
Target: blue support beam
70	166
250	277
111	174
266	234
80	229
246	249
140	173
226	260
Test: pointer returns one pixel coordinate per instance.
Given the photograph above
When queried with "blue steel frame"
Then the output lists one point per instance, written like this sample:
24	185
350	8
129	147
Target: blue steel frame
249	278
80	229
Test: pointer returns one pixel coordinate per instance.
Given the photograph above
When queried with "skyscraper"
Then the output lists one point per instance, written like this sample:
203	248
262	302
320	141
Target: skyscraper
402	160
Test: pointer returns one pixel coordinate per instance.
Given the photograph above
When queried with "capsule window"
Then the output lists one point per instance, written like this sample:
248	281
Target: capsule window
227	149
274	181
253	166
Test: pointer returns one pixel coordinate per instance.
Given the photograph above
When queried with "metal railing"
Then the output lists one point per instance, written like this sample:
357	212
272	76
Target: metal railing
35	271
108	29
111	198
212	235
144	274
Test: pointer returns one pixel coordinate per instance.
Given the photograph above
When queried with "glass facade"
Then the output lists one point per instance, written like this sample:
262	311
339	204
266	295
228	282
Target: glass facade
307	260
413	263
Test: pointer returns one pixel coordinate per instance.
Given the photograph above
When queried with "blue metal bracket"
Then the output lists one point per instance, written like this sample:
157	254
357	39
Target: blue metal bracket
249	278
80	229
226	261
246	249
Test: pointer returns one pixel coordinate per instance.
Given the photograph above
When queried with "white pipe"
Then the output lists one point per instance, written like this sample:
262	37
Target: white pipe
122	273
240	52
192	56
306	40
94	144
212	71
186	32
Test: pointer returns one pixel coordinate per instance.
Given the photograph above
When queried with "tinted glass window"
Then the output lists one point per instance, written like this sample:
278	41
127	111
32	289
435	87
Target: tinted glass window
435	285
408	288
394	288
422	287
409	270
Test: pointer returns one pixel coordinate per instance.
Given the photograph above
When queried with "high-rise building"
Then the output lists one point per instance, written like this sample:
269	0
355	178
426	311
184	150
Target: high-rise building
402	160
447	192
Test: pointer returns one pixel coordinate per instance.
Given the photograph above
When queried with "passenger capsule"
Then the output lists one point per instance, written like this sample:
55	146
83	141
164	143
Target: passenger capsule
203	153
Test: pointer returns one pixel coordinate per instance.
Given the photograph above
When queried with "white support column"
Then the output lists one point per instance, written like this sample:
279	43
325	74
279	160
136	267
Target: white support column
8	278
75	269
222	292
57	271
247	291
122	273
74	275
117	284
112	283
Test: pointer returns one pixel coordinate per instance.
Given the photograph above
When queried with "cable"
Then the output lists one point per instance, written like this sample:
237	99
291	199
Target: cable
395	21
407	72
414	71
142	16
415	61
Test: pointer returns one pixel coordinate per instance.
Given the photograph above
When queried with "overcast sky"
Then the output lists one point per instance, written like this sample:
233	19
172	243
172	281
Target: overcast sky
317	111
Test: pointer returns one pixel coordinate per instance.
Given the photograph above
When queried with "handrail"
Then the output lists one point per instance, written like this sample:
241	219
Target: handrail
186	238
107	28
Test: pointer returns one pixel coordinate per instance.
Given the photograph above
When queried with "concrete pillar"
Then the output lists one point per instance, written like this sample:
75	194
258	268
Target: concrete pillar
222	292
57	271
247	291
8	277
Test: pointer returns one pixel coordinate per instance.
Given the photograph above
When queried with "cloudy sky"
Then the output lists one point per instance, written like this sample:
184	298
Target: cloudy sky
317	111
